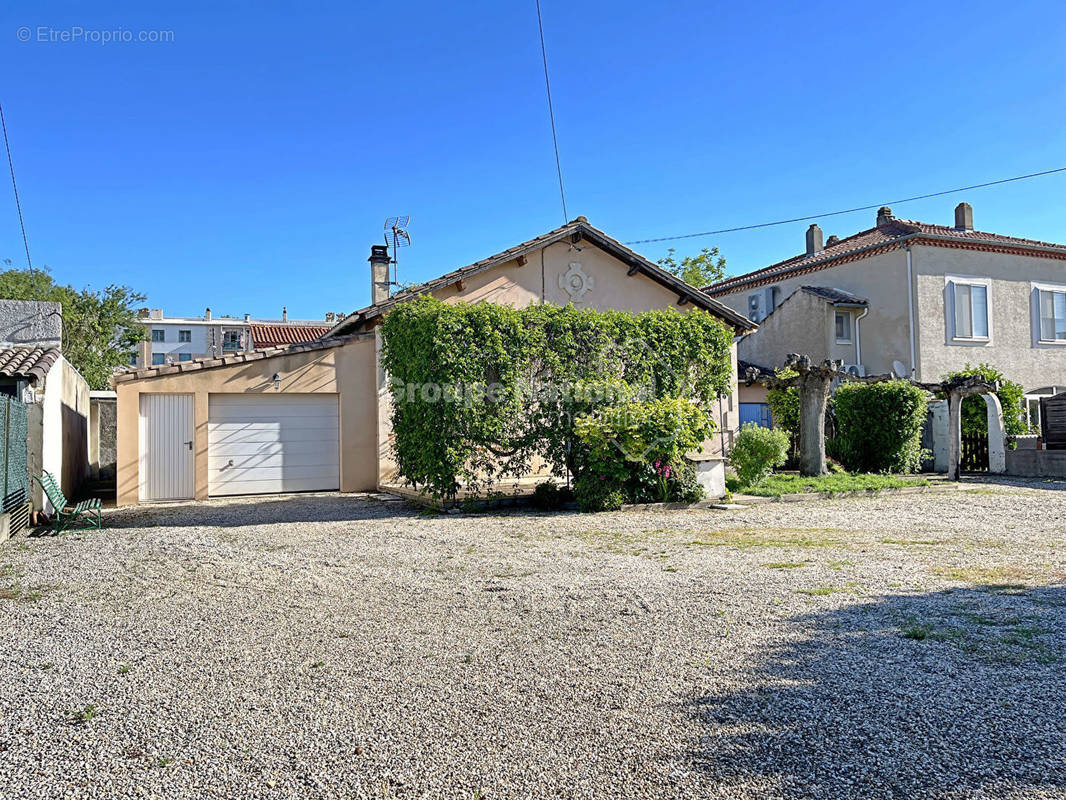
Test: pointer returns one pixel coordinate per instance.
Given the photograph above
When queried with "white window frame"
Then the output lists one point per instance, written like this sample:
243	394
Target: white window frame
848	335
950	282
1038	338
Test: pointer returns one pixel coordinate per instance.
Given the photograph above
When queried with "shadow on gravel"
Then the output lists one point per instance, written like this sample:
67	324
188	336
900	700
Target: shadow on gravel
245	511
954	693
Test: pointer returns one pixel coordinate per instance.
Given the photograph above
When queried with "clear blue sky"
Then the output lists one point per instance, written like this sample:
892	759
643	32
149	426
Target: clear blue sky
251	162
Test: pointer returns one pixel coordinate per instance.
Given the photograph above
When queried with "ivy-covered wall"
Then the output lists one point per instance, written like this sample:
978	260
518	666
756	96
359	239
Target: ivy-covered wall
481	390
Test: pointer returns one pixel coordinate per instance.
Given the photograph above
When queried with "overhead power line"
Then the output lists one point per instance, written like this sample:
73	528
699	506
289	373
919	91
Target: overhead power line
551	112
848	210
15	188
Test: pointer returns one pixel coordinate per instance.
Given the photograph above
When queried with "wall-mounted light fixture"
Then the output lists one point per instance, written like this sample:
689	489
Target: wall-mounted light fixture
277	381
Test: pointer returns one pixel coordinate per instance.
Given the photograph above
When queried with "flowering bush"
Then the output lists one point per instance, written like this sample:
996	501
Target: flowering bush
637	450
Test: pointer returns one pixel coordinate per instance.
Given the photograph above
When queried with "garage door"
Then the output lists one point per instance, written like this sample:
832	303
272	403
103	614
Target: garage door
263	444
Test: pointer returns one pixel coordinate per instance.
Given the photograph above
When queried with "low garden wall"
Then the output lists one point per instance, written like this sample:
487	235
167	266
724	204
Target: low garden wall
1037	463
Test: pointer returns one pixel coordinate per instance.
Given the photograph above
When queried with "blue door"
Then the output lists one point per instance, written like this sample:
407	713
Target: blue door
759	413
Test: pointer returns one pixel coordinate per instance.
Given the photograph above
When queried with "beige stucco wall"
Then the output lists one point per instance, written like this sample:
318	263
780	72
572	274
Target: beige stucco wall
885	331
1011	348
348	370
612	288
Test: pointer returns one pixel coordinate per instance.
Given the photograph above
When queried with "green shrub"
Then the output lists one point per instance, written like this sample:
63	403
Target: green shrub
595	492
879	426
785	405
639	448
756	452
974	410
549	496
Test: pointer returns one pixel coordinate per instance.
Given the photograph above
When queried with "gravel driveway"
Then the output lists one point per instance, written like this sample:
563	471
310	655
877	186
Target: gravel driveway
332	646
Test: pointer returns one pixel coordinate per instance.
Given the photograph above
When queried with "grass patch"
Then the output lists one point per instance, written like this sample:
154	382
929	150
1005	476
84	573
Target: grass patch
1005	577
783	564
912	542
824	591
837	483
772	537
80	716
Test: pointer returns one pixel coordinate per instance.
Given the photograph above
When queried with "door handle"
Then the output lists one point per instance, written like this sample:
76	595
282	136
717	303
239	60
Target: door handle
189	444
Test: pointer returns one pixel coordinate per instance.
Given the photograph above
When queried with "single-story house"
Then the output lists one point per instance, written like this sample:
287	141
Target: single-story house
33	370
314	415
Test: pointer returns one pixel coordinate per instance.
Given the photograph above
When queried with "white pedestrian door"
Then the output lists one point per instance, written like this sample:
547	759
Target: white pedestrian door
166	447
270	443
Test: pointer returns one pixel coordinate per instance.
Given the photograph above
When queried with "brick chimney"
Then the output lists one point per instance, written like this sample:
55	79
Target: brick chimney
884	214
964	217
284	314
379	273
814	240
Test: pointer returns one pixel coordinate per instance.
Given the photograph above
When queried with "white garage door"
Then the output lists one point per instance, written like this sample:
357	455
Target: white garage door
267	443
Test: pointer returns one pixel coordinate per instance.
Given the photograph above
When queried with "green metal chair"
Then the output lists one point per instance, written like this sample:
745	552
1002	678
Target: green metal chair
85	515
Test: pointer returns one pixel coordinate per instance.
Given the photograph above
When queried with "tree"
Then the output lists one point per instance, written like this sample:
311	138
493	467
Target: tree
699	270
100	328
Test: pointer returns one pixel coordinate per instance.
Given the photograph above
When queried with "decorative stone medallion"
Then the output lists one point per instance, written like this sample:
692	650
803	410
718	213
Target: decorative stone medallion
575	282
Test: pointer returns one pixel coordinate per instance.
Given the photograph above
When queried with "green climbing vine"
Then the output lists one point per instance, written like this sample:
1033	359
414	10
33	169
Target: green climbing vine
481	391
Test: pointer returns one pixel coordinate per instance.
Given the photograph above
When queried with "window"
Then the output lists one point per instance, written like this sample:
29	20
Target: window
158	359
184	336
158	335
184	356
970	313
231	341
133	360
1052	305
843	327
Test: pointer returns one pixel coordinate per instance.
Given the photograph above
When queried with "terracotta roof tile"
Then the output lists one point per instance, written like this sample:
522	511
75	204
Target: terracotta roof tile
273	335
887	233
236	358
30	362
578	227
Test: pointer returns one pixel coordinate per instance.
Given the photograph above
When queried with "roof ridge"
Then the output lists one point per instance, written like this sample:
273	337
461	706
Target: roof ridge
580	225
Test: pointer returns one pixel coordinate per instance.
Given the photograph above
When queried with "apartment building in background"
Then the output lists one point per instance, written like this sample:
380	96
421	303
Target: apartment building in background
172	340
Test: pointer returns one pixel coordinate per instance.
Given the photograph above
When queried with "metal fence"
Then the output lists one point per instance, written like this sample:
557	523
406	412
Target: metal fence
16	488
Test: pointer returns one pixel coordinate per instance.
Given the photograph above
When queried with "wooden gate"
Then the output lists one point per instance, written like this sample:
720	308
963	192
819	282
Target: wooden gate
974	452
1053	421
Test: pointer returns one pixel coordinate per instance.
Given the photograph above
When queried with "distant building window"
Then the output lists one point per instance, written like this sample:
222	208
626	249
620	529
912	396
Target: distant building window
969	316
1052	315
158	335
843	327
232	341
184	336
133	360
158	359
184	356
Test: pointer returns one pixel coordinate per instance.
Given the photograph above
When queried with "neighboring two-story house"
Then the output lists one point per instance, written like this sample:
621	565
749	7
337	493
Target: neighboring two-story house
911	298
173	340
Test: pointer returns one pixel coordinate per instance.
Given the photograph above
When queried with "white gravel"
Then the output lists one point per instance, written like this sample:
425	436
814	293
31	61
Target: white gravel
336	647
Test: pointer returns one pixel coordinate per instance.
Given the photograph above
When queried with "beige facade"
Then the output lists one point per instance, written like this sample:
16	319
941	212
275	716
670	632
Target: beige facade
347	369
570	270
907	272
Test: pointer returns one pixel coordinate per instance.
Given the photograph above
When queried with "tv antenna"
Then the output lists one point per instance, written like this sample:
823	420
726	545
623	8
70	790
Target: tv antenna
396	236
